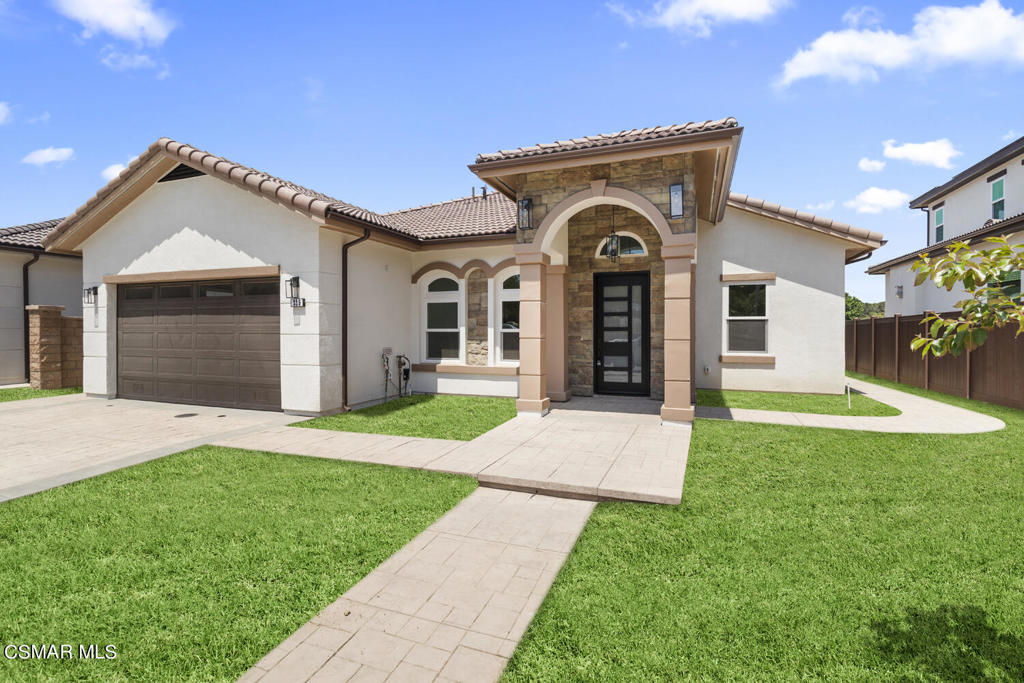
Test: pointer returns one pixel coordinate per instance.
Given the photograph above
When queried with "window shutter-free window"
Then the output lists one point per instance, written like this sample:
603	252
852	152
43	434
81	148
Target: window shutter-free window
509	298
747	321
443	338
998	200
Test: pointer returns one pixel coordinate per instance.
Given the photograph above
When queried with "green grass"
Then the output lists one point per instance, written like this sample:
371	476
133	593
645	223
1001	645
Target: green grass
432	416
22	393
196	565
802	553
823	404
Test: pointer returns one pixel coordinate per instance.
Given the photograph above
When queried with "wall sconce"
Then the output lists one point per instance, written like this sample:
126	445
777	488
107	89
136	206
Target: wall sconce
899	291
293	293
675	200
89	295
525	208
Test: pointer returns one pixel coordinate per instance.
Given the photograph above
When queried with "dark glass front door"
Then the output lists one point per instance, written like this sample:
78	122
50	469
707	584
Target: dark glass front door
622	333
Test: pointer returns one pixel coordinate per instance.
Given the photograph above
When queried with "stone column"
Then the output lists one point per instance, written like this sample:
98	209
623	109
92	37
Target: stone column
533	388
678	405
71	352
557	341
44	347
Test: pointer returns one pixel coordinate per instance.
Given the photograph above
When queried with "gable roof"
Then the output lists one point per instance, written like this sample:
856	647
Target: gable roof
469	216
1007	226
635	135
989	163
28	236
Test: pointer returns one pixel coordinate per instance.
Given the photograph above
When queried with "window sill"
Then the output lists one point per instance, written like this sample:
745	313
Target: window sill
460	369
746	359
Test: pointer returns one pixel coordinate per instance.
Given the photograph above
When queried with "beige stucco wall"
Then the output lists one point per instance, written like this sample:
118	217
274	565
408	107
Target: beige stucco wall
805	304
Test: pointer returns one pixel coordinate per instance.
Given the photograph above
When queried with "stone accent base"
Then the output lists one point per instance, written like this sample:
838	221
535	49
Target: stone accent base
54	348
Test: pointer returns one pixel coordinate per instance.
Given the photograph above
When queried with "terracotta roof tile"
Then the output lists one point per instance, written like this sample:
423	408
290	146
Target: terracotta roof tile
622	137
807	220
491	215
29	235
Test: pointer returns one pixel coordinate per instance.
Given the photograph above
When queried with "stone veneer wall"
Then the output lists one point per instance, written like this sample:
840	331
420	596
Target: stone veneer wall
476	318
586	230
54	347
71	351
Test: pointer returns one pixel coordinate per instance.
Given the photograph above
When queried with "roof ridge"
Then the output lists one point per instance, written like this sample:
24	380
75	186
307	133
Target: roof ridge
442	203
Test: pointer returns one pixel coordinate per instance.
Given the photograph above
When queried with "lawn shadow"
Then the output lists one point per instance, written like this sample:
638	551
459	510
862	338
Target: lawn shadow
951	643
394	405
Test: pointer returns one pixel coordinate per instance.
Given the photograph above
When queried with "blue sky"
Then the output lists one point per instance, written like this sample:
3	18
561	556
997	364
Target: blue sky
384	104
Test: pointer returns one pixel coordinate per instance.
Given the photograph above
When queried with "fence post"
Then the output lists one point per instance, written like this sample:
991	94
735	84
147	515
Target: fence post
896	342
854	324
927	357
967	376
874	355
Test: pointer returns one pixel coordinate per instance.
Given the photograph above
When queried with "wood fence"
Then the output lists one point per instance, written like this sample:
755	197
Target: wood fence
994	373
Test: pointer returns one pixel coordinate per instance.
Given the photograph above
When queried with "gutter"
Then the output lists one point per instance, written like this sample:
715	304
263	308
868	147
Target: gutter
24	309
344	316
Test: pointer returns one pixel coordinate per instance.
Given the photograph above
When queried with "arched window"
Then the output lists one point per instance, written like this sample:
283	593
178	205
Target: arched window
508	305
442	315
629	245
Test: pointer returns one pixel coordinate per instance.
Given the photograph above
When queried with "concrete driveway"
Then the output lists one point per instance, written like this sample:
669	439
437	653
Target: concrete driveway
49	442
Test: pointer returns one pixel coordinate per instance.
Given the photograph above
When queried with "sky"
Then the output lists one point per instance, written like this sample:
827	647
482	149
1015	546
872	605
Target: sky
848	110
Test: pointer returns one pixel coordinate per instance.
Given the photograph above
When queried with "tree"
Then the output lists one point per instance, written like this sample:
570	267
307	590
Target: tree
854	307
991	279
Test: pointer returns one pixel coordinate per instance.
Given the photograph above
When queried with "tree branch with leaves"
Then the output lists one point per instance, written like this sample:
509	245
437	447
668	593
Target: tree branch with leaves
989	305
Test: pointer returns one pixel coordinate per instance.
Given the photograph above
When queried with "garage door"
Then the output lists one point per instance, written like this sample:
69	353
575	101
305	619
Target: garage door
206	343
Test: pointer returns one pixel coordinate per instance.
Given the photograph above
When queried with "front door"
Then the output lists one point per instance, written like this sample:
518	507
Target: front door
622	333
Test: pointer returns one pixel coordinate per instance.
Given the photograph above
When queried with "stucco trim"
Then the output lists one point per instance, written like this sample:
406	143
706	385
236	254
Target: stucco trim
748	277
458	369
192	275
739	359
461	273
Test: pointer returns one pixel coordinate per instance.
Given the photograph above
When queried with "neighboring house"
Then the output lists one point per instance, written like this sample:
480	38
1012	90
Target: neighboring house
985	200
29	275
219	284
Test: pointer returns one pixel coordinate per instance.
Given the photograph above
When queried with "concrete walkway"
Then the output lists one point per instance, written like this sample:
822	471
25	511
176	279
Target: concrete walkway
919	415
451	605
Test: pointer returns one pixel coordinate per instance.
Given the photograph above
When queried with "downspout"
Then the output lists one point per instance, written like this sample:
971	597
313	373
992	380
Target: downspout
24	309
344	316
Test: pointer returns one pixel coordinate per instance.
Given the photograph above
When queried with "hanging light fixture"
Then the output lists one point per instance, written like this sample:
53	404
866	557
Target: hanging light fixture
613	242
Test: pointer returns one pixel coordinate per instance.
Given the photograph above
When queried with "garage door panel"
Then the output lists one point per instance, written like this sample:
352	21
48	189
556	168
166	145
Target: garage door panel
258	369
136	341
136	364
184	341
259	342
217	367
135	387
174	366
171	390
253	396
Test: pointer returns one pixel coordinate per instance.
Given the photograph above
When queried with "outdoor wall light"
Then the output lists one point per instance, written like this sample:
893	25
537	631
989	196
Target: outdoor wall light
613	246
525	207
89	295
293	287
899	291
675	200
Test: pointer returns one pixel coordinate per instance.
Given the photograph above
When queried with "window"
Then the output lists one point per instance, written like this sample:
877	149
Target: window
747	320
508	298
629	245
143	292
176	292
443	334
998	202
939	218
213	291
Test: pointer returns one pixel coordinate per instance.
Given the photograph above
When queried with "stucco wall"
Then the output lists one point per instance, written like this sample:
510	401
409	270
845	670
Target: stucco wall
968	207
53	281
805	305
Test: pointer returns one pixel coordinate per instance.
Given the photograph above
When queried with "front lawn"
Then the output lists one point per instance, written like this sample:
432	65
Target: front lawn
196	565
823	404
802	553
432	416
22	393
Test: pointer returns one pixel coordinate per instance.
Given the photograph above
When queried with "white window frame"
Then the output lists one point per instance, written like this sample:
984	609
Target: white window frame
939	225
726	318
428	297
500	295
643	245
993	202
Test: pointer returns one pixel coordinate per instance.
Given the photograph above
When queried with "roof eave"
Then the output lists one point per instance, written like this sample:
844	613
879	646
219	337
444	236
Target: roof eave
1007	227
989	163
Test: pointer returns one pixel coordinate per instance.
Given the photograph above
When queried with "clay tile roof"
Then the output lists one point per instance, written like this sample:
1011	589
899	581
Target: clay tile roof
803	219
490	215
605	140
29	235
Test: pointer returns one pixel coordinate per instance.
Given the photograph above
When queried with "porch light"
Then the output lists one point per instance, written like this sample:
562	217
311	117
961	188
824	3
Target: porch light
613	242
525	207
293	287
675	201
89	295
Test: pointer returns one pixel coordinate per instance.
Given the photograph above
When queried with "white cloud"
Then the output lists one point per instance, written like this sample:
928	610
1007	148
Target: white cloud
938	153
876	200
42	118
987	33
1010	135
870	165
116	60
863	16
699	16
112	171
134	20
5	113
821	206
49	155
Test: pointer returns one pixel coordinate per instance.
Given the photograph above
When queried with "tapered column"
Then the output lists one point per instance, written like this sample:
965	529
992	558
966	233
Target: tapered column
678	406
557	341
533	321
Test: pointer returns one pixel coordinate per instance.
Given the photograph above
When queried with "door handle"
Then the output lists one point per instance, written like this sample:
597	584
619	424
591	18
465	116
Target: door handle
597	363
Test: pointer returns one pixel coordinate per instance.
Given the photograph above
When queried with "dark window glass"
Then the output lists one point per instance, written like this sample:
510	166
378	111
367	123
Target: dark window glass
510	315
176	292
442	315
136	293
746	301
442	345
999	210
510	346
938	234
628	246
511	282
444	284
259	289
747	335
220	290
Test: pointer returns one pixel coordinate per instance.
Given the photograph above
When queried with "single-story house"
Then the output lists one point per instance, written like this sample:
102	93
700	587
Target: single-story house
611	264
30	275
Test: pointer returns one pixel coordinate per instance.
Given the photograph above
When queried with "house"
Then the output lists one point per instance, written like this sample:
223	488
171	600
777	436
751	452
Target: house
31	275
985	200
618	264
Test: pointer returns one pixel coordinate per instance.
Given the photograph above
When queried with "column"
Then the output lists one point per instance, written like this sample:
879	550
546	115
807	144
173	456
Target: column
44	347
678	406
557	341
533	389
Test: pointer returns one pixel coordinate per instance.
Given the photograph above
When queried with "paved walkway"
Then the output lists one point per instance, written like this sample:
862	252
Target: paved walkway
49	442
588	448
450	605
919	415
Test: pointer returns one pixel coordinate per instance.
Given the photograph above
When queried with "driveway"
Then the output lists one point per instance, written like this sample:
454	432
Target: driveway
49	442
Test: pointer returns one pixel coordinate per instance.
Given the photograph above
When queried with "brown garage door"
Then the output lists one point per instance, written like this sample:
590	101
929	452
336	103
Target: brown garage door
207	343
